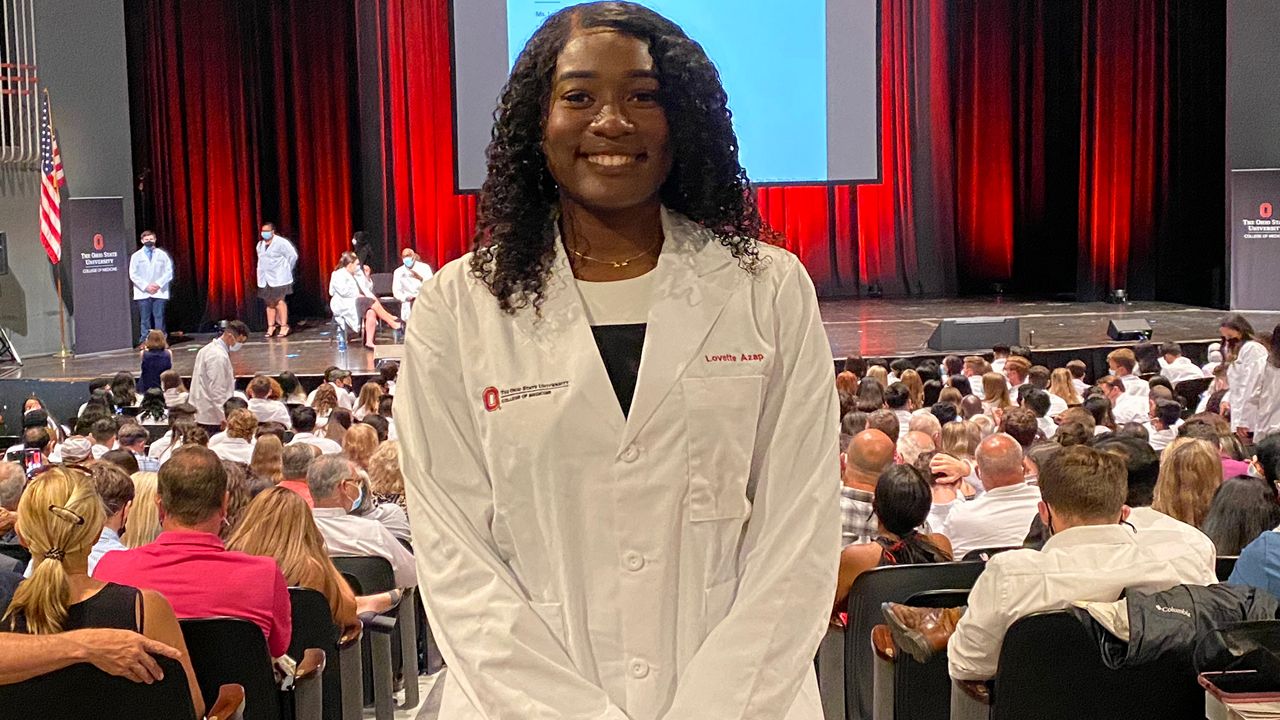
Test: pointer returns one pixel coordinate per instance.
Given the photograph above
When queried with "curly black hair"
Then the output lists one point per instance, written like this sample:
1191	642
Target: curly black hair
515	233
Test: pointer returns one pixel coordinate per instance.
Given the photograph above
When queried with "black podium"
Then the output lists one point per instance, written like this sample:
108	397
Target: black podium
96	252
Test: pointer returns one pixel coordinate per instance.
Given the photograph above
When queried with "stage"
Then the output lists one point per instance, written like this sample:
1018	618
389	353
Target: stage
878	328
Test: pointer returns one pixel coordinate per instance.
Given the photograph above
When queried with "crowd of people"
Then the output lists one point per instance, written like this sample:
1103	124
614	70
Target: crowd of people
137	492
1071	490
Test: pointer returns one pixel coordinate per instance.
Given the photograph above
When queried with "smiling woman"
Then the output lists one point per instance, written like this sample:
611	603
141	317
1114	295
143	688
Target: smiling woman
657	538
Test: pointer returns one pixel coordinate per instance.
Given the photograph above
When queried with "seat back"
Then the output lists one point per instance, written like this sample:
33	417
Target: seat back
371	574
83	692
985	554
1190	391
1224	565
230	650
1050	668
382	283
879	585
922	691
313	627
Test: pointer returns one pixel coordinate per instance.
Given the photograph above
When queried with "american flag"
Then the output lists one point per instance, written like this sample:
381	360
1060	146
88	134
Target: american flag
51	182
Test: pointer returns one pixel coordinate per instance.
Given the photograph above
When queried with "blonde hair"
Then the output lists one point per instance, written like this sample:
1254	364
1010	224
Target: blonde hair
268	459
880	374
144	515
156	340
915	387
278	524
1190	473
370	394
241	424
960	439
359	444
985	424
1060	384
60	517
996	389
385	477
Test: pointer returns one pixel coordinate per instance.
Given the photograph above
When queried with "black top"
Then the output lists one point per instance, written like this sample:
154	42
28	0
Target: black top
620	348
114	606
154	362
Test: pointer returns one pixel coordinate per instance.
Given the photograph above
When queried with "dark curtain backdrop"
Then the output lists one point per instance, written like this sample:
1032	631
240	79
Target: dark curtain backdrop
1053	147
243	112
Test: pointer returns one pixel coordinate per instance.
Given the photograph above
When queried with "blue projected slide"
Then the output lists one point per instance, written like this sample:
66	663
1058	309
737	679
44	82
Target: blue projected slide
779	108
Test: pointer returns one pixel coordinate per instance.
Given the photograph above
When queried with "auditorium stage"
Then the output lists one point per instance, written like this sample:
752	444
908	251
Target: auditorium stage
1056	332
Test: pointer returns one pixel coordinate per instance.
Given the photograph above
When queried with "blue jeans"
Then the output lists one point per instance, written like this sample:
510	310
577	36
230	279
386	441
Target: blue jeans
150	315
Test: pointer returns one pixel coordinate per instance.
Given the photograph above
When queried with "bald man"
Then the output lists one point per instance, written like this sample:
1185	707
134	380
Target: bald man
1003	514
870	453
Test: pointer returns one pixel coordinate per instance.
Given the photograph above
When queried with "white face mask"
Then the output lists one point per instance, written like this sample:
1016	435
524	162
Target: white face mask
235	347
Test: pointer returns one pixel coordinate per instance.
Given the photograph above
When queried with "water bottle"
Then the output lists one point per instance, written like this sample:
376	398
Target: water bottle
342	338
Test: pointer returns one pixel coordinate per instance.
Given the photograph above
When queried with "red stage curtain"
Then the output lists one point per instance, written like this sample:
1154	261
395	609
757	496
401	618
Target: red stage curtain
242	113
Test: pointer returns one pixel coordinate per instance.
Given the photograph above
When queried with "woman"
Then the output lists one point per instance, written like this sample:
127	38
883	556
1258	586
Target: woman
124	391
961	384
276	260
185	432
1190	473
1060	384
55	428
1264	406
242	430
870	397
278	524
156	358
153	411
385	479
353	303
59	519
616	216
878	373
268	458
337	424
915	388
902	503
1099	408
367	402
144	514
359	444
239	495
175	391
324	403
1245	358
290	388
1243	509
995	391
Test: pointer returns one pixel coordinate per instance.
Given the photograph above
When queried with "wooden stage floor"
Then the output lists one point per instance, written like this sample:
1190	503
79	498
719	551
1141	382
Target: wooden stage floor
873	328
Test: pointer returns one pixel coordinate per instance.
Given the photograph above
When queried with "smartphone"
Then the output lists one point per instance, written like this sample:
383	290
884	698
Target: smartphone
33	458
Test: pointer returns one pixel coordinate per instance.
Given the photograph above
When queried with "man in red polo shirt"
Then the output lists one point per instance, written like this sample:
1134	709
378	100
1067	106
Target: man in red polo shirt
189	565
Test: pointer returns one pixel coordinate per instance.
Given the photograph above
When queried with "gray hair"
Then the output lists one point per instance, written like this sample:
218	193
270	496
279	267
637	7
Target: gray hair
296	461
12	481
326	472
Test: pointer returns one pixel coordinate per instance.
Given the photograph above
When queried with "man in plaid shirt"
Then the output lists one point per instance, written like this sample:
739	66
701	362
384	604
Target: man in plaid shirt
870	452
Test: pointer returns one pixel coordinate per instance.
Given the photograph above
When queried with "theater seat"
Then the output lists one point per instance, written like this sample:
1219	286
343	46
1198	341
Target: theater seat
1224	565
909	690
985	554
313	627
233	651
83	692
366	576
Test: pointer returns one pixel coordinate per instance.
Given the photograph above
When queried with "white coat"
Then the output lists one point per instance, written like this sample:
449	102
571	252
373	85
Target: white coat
406	283
275	262
213	381
144	271
343	291
1243	377
677	563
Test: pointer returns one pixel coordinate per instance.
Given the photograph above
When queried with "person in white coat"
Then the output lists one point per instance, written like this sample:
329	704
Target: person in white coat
618	420
407	281
213	379
352	302
1267	398
1245	358
150	272
276	260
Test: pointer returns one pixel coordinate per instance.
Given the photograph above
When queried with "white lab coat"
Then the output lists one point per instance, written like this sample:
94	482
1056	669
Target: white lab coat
144	271
677	563
343	291
1242	384
406	284
213	381
275	262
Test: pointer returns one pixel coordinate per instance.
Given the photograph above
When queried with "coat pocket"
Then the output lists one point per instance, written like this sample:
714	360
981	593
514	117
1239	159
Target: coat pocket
717	600
552	613
721	415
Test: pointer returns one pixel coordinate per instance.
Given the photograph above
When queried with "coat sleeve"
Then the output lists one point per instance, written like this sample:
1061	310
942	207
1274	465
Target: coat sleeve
1244	377
753	663
504	657
166	272
135	274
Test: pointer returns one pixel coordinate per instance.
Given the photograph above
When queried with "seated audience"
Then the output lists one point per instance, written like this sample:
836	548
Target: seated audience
268	459
1001	516
1062	387
1037	401
1100	409
870	396
367	401
1126	407
1190	474
295	461
122	459
340	381
380	426
1078	370
1122	363
124	391
103	435
926	422
178	414
133	438
886	421
188	563
359	443
61	516
1176	367
1164	423
912	446
304	426
1016	372
262	405
1243	509
995	392
1259	563
385	479
975	367
901	504
237	445
945	412
154	410
336	490
385	406
175	391
897	398
340	421
144	514
116	490
868	454
290	389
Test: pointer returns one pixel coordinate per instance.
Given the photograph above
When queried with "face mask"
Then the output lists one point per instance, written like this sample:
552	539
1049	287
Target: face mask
236	347
359	499
266	235
408	262
148	241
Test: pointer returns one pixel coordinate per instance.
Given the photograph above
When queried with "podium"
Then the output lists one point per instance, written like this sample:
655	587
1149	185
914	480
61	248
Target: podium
95	252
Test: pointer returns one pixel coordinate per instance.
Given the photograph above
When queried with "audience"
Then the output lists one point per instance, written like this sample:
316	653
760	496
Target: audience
335	492
1063	387
1243	508
385	479
237	443
133	438
870	453
1190	474
886	421
995	392
261	403
304	426
144	512
175	391
1000	517
1122	364
359	444
188	563
295	461
116	490
268	459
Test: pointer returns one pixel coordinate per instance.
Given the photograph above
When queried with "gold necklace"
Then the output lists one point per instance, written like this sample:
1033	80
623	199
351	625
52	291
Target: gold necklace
617	263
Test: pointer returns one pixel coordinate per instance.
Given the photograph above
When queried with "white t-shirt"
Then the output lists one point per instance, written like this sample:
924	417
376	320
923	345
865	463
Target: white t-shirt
619	302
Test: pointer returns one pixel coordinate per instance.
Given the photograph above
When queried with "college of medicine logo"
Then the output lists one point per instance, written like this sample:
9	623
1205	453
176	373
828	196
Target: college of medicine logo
494	398
98	242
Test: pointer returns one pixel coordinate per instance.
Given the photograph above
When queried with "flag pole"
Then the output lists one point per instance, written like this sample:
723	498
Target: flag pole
63	353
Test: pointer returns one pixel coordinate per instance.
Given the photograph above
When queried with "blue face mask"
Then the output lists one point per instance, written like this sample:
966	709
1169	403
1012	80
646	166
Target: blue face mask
359	499
408	262
266	235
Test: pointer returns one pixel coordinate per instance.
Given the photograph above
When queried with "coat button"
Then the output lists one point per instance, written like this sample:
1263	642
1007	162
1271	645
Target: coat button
630	454
633	561
639	668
